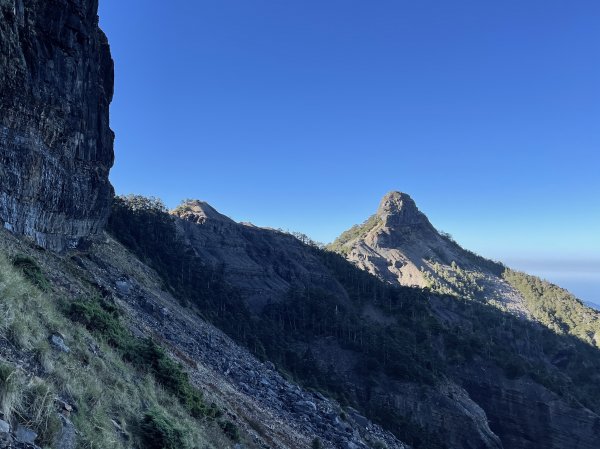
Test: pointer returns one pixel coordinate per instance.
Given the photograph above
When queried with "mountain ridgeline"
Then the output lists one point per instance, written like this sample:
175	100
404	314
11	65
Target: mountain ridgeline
458	363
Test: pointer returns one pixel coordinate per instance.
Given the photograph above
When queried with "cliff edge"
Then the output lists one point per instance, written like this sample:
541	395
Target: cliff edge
56	146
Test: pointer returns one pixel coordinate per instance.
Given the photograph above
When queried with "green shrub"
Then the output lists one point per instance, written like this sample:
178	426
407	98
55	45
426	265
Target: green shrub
157	431
101	318
316	444
32	271
231	430
145	354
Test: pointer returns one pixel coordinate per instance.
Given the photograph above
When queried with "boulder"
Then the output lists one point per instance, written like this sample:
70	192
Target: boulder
25	435
305	407
59	343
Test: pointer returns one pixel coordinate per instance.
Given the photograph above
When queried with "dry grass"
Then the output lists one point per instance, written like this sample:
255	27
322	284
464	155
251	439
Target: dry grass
110	395
10	389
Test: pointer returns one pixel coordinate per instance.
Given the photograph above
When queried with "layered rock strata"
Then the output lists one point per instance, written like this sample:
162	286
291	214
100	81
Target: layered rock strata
56	146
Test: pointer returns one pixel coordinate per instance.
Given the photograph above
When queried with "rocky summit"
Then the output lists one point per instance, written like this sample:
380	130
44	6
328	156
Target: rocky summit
399	209
56	147
399	245
396	243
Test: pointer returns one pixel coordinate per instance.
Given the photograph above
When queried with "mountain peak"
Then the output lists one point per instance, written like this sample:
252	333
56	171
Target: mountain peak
399	209
198	212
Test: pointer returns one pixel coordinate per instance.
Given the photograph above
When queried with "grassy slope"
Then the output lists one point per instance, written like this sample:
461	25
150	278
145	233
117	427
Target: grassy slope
93	376
340	245
556	308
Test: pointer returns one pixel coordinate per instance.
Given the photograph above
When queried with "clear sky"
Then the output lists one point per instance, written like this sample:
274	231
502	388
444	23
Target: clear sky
303	114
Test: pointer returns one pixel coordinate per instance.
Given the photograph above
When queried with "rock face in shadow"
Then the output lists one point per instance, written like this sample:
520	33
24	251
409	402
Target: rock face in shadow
56	147
526	415
263	264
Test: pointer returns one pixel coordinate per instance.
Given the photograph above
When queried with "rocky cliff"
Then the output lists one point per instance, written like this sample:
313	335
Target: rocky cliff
56	147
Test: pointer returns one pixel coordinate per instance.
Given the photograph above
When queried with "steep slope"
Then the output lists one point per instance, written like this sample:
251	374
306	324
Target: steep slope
56	146
437	370
255	407
262	264
71	373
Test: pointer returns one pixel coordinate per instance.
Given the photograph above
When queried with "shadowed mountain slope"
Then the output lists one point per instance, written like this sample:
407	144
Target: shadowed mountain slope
186	329
438	370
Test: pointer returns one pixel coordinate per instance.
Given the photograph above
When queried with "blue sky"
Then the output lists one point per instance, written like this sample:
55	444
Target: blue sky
303	114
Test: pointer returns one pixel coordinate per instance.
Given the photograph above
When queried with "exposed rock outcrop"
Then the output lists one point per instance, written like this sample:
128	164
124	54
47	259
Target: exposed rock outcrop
400	246
56	147
527	416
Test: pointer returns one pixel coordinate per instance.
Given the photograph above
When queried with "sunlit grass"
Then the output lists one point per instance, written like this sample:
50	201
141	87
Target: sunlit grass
110	396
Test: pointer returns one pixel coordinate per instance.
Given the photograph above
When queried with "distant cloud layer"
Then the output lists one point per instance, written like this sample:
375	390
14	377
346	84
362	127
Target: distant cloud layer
580	276
582	266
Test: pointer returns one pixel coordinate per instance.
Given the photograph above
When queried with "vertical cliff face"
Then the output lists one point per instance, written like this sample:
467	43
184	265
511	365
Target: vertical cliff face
56	147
